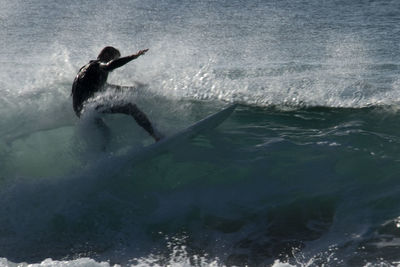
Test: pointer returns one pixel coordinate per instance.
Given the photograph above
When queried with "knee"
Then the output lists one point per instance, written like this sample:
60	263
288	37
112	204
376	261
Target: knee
132	108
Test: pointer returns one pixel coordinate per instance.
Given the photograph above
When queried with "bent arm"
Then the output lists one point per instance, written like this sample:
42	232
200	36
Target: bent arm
120	87
134	86
112	65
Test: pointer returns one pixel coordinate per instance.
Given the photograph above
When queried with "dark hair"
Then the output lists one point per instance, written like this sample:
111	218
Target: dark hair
108	53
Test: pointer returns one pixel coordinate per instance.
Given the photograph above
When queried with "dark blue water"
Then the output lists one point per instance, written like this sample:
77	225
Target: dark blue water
303	173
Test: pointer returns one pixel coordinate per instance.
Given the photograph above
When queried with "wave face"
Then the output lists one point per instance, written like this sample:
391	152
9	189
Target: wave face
304	172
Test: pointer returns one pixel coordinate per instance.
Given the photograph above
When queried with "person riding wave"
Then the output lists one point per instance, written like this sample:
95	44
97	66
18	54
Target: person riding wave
92	78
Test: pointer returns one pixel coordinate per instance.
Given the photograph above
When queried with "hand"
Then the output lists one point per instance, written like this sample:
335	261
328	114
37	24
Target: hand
142	52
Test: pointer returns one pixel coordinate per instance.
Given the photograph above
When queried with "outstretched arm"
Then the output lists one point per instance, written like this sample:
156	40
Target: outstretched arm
122	60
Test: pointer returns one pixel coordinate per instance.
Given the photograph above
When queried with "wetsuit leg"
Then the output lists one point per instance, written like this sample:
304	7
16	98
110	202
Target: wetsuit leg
136	113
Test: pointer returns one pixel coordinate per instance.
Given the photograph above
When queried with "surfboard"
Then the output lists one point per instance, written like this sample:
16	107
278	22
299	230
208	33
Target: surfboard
199	127
109	164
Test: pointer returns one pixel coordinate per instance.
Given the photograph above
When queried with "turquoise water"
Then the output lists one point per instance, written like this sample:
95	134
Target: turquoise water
304	172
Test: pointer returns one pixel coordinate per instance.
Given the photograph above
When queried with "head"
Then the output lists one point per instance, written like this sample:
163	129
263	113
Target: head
108	53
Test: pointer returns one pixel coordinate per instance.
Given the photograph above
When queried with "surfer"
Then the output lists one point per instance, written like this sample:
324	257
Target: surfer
92	78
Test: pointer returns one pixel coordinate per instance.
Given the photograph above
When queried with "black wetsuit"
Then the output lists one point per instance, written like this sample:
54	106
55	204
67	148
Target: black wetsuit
92	78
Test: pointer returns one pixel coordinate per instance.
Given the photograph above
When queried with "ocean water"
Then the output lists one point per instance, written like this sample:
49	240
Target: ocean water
305	172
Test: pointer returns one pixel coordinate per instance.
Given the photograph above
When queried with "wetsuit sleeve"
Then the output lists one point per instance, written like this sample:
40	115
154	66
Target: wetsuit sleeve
118	62
122	61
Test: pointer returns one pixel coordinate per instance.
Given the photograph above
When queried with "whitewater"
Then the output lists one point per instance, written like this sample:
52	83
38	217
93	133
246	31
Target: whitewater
303	173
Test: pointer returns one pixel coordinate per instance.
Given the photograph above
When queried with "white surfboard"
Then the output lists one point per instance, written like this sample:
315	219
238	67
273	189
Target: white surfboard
197	128
110	164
